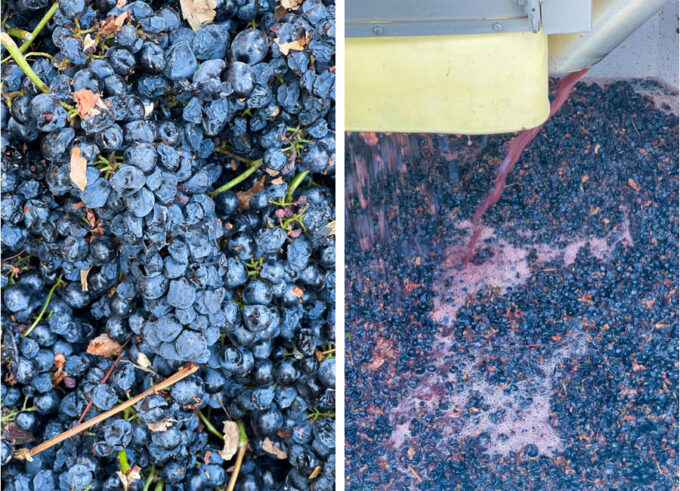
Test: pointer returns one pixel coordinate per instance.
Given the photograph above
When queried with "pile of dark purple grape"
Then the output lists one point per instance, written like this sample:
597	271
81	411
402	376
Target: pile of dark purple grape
167	199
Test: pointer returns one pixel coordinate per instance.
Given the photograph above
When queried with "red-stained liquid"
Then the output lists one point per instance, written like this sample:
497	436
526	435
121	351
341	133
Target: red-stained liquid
514	150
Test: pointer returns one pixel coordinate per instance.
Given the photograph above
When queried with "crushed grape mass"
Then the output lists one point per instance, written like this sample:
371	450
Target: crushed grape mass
549	360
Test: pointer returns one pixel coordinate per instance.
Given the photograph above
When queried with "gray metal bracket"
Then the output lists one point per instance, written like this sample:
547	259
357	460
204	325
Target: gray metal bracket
369	18
533	12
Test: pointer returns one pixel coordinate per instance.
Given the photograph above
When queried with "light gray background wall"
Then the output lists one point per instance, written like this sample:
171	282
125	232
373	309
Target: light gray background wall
652	51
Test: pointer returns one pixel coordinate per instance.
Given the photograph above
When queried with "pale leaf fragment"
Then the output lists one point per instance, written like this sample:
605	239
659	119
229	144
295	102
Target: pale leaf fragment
148	109
83	278
198	12
104	346
244	196
89	45
88	103
269	447
143	360
297	291
132	475
297	45
231	436
23	454
123	480
291	4
162	425
277	181
78	169
329	228
62	65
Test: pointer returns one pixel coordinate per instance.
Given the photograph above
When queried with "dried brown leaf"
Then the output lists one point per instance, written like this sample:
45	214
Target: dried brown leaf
633	184
279	12
95	223
231	436
198	12
83	278
271	172
104	346
91	218
59	361
113	24
15	435
162	425
244	196
297	45
78	169
277	181
269	447
59	373
88	103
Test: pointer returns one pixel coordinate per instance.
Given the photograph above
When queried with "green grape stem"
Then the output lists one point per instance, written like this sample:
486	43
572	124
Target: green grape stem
254	165
18	57
43	22
297	180
56	285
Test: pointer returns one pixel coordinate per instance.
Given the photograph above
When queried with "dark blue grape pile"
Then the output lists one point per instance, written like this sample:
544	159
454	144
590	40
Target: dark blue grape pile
168	197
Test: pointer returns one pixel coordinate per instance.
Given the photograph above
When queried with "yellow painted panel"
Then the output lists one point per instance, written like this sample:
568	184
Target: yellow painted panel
468	84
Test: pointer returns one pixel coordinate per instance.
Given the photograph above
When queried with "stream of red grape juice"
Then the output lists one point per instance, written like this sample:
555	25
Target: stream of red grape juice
514	150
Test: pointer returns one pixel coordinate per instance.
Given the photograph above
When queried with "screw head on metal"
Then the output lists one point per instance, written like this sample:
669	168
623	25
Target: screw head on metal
378	30
497	27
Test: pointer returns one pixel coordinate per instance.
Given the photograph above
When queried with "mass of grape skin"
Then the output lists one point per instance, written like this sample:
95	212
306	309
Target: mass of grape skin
175	273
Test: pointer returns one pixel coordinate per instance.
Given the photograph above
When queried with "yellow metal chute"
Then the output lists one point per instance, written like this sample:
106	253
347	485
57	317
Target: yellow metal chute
468	84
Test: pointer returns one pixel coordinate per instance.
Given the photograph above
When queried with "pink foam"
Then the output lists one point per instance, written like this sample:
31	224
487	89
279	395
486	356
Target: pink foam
459	280
510	432
399	434
508	266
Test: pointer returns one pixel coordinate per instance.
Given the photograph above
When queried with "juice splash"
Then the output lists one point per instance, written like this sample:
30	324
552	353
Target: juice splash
514	150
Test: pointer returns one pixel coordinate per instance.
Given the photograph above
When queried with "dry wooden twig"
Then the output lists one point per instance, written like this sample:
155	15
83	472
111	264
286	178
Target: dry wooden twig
239	460
106	377
183	372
